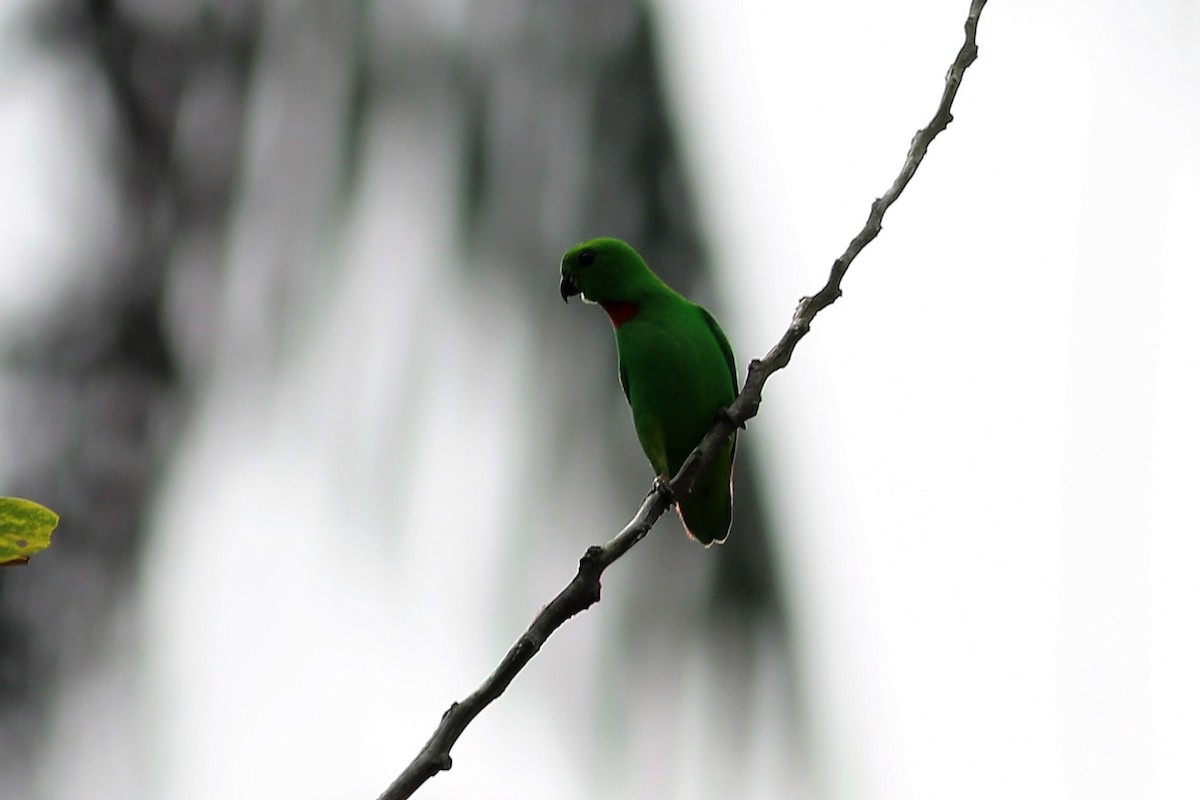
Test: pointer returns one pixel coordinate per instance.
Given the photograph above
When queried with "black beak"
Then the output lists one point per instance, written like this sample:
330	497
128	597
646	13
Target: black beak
567	287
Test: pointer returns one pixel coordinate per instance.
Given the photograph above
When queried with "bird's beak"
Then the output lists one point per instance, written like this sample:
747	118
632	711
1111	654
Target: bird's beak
567	287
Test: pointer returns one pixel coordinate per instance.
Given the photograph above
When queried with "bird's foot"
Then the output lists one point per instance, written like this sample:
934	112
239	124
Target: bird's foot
726	415
663	486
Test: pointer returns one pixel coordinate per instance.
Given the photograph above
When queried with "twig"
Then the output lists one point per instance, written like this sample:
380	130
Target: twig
584	589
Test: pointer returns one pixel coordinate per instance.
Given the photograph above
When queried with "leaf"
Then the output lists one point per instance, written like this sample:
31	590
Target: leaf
25	529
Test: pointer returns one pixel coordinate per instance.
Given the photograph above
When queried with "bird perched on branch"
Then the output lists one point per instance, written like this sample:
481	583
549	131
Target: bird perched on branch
676	368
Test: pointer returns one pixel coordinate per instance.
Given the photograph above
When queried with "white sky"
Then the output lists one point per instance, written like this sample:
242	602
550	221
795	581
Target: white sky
52	172
996	423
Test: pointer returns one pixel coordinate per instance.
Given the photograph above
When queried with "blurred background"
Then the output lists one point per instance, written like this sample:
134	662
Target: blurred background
282	343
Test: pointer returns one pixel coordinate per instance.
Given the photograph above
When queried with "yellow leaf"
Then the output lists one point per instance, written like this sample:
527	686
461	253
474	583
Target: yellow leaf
25	529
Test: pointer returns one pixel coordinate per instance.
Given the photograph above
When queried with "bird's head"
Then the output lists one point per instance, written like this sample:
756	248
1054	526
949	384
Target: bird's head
605	271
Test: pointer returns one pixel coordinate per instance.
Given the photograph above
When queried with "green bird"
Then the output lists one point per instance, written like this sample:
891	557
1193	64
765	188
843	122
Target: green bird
676	368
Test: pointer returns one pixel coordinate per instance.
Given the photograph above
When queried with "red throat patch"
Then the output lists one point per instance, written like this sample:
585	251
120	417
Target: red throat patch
619	311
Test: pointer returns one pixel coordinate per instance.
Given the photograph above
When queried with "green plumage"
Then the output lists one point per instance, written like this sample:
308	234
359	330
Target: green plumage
676	368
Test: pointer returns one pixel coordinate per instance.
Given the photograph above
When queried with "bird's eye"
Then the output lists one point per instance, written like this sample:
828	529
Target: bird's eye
587	258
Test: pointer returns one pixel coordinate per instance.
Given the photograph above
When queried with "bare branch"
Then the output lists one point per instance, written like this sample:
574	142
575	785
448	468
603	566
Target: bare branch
584	589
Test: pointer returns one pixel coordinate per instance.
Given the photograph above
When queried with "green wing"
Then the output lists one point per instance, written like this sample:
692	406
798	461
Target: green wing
624	374
724	344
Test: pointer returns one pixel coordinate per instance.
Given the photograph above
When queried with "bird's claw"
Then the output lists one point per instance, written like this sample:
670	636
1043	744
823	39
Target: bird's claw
663	486
726	415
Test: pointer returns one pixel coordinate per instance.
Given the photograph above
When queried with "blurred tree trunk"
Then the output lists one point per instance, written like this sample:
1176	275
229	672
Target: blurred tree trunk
564	131
99	386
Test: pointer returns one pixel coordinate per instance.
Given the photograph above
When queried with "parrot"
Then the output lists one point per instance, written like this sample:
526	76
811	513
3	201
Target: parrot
675	366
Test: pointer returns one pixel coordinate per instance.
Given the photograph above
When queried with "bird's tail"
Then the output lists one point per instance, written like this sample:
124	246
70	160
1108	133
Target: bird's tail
708	510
